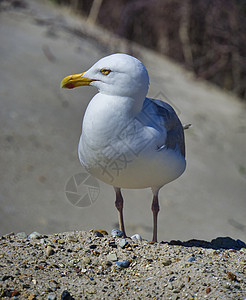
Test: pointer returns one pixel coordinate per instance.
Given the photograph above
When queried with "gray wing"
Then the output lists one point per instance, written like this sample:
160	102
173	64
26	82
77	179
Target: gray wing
169	119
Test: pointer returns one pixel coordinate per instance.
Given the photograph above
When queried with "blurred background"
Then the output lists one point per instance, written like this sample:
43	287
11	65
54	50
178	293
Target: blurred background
195	54
207	37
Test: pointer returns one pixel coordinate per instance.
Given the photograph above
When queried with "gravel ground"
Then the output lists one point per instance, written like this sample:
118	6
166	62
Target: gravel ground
95	265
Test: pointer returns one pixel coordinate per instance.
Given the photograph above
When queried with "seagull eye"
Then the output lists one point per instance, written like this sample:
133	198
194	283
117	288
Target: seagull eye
105	71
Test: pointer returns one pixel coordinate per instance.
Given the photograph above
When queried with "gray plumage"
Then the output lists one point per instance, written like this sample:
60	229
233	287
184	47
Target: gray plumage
162	114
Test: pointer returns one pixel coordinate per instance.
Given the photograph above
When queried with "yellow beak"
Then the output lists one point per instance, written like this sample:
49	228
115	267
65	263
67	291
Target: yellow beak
75	80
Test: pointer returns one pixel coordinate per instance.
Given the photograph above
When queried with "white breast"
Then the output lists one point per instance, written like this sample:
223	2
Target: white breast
119	149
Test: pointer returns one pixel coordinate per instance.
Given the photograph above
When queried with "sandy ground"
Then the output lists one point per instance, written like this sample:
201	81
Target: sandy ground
40	128
82	265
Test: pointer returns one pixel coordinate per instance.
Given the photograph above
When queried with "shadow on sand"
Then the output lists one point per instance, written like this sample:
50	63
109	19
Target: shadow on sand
216	244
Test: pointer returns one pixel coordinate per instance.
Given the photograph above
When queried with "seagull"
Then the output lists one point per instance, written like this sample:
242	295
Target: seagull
128	140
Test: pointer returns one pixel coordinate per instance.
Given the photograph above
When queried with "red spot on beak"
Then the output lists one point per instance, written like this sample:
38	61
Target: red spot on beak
70	85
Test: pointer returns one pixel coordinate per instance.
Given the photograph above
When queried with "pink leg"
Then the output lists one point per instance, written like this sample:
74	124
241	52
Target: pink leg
155	209
119	206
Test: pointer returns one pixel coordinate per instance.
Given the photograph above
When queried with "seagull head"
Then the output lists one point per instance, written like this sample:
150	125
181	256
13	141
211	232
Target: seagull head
117	74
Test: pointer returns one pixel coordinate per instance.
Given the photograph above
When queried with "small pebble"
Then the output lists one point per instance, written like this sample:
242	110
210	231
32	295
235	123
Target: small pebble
112	257
100	233
171	279
227	285
166	262
123	264
92	246
231	276
116	233
112	244
34	235
6	277
66	295
21	235
51	297
108	263
96	253
72	238
71	262
136	237
53	285
86	260
188	264
191	259
151	277
122	243
15	293
50	250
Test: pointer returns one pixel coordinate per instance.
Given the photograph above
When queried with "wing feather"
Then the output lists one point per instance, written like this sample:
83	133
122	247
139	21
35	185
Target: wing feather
169	119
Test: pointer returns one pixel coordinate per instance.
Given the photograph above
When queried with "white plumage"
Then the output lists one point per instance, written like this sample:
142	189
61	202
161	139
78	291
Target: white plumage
128	140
